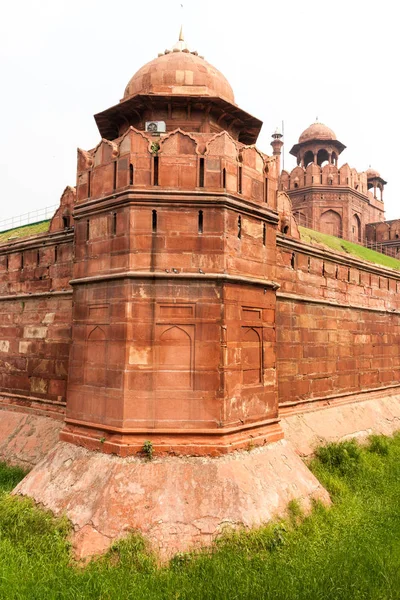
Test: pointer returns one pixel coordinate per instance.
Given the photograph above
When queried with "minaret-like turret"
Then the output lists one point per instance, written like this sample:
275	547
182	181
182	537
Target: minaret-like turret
277	144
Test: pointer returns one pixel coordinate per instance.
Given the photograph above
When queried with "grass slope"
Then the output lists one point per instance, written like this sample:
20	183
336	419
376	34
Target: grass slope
24	231
311	237
348	551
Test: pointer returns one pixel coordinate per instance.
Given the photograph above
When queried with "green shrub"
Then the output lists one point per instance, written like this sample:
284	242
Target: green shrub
10	476
343	457
379	444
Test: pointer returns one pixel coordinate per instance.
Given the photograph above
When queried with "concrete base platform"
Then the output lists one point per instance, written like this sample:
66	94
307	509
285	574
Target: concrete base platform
356	418
177	503
25	439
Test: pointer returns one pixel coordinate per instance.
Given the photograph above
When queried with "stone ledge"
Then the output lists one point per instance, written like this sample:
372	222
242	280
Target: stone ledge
177	503
307	430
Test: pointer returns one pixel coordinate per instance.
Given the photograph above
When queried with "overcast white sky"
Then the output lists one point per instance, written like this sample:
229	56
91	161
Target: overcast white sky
64	60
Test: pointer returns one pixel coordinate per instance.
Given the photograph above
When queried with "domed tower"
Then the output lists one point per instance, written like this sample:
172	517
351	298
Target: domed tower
179	89
375	182
173	339
325	197
317	145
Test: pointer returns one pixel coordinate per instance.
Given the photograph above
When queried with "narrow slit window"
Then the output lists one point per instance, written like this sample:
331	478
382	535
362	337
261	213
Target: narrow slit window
7	262
37	258
22	261
201	173
239	226
55	253
224	178
155	171
323	269
264	234
154	221
348	275
336	272
114	223
65	220
240	182
309	264
87	229
293	260
200	223
266	190
89	177
131	174
115	176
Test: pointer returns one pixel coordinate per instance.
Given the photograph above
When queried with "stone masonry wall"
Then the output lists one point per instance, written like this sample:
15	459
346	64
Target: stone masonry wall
35	321
338	324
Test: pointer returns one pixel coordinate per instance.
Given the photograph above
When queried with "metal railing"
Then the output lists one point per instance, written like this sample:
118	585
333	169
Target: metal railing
33	216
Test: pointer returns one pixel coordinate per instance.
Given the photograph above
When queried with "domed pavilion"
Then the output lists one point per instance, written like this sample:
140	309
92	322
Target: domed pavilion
183	90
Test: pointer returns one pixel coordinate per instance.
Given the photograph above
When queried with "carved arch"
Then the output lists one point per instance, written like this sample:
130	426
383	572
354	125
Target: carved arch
331	223
95	365
85	159
105	152
251	356
222	144
356	231
179	142
134	141
253	158
174	357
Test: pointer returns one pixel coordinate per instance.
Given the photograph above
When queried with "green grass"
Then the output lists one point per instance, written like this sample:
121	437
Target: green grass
311	237
24	231
350	551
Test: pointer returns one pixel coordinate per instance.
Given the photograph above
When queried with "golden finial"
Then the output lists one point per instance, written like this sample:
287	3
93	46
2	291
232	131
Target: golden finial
181	38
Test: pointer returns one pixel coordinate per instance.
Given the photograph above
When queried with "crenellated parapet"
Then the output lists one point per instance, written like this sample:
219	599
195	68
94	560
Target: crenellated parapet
203	162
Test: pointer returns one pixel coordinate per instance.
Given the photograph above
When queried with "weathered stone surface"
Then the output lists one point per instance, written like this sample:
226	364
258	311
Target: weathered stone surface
25	439
357	419
177	503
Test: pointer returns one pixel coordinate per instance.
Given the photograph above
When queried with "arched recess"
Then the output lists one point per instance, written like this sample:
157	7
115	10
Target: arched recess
322	157
356	229
96	358
331	223
175	357
251	356
308	158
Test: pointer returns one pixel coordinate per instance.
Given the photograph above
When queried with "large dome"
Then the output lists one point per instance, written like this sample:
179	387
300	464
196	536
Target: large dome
179	73
317	131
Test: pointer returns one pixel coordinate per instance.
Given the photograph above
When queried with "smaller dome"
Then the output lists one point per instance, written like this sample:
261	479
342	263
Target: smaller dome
371	173
317	131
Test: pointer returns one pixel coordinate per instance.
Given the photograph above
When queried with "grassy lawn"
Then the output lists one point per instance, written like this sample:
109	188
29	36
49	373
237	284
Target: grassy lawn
311	237
24	231
350	551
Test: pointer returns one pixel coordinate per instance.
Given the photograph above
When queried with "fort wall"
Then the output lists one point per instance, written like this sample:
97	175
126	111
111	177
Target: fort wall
338	326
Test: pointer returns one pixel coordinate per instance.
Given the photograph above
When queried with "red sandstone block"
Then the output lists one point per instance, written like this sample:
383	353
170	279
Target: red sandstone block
369	379
57	387
321	386
315	351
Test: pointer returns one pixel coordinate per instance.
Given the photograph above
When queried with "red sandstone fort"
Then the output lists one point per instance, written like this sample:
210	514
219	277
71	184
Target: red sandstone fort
173	305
